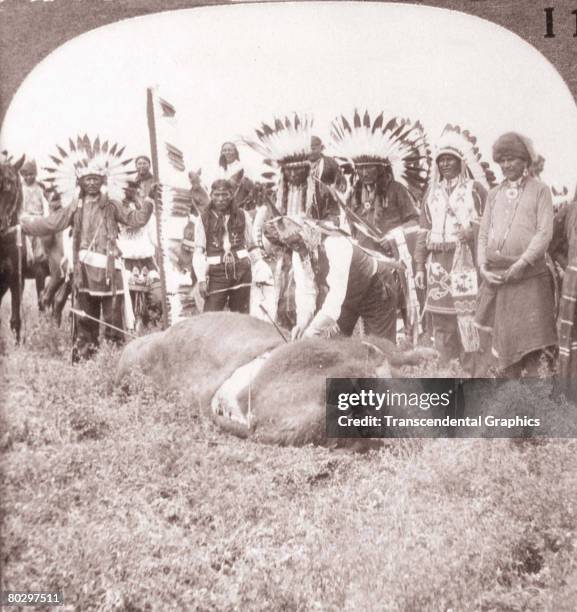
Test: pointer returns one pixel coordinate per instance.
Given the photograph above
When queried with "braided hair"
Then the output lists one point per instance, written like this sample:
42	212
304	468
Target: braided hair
384	179
285	191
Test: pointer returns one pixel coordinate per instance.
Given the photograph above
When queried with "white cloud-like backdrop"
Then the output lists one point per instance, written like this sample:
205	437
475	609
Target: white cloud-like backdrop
226	68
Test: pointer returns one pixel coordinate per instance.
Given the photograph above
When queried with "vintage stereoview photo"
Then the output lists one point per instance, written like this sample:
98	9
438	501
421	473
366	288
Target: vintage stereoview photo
270	273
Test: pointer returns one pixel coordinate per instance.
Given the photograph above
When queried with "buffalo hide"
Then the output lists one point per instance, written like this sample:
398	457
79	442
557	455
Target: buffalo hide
279	398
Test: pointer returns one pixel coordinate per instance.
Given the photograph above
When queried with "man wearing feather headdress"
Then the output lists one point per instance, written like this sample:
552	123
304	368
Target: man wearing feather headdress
290	149
391	165
516	300
301	193
450	215
80	174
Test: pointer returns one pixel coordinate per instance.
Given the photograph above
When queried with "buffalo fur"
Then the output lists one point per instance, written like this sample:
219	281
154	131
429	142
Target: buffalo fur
197	355
285	402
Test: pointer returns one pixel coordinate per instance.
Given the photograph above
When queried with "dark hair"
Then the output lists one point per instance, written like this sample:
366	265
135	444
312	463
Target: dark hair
143	157
385	177
285	185
233	210
222	159
221	184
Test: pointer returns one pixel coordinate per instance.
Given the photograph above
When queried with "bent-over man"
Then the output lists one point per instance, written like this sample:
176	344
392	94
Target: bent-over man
348	283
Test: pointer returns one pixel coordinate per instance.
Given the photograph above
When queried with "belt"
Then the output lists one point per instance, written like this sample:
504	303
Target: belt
97	260
218	259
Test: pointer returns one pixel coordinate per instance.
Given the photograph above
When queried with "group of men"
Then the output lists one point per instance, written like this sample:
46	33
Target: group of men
330	241
479	251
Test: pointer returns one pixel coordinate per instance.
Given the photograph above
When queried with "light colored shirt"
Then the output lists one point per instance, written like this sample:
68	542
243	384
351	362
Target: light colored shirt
520	228
339	252
33	200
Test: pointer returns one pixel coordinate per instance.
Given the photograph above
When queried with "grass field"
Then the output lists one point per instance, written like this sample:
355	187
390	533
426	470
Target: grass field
138	503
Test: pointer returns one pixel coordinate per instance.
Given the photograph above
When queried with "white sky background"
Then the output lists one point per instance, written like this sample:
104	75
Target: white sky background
228	68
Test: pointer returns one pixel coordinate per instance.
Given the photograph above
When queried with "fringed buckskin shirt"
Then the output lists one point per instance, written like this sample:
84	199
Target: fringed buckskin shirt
97	267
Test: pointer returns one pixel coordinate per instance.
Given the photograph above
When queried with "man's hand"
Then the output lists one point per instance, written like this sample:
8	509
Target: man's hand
155	191
296	333
420	280
491	277
465	234
322	325
202	289
516	270
188	237
386	244
194	178
14	228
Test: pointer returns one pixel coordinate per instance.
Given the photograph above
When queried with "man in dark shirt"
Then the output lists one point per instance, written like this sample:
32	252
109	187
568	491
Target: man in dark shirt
223	251
385	205
383	202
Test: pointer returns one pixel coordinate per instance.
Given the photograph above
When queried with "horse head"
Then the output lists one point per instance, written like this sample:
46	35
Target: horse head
10	192
263	195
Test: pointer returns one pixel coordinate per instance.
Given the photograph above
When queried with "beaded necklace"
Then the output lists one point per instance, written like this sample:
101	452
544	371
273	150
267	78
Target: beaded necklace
513	193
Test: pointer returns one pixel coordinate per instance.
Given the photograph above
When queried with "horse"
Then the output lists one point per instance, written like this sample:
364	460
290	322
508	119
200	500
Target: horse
11	245
15	268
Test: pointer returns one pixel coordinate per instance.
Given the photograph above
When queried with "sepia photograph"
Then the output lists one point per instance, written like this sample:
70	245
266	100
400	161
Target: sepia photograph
288	306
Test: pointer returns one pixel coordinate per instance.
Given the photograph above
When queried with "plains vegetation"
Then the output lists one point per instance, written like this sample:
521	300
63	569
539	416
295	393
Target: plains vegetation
135	501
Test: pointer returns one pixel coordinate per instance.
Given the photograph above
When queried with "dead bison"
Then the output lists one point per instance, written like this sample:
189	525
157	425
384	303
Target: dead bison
249	380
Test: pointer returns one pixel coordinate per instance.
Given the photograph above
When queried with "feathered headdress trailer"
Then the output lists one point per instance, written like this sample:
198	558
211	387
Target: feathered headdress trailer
461	144
84	158
398	144
285	143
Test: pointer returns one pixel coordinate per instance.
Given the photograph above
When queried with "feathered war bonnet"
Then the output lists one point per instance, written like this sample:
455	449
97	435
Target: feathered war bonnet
399	144
85	158
462	145
286	143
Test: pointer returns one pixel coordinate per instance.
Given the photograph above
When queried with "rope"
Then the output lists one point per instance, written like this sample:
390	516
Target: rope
83	314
